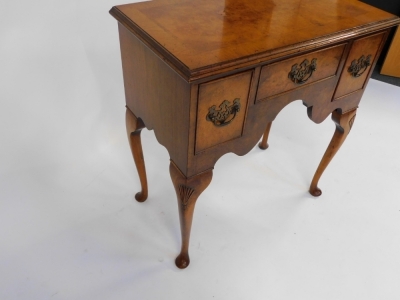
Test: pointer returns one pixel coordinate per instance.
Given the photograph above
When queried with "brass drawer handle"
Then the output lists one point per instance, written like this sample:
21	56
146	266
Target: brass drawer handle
301	73
225	114
358	66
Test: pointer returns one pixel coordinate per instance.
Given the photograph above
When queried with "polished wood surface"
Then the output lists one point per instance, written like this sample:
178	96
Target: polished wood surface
202	37
274	77
263	145
344	123
367	46
391	66
157	95
210	77
187	192
213	95
134	127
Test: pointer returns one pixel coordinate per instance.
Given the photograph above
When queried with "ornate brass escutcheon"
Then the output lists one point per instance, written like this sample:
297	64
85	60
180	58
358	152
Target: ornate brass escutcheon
358	66
301	73
225	114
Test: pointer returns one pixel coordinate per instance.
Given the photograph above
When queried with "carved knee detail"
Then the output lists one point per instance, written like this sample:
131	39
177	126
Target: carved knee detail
187	191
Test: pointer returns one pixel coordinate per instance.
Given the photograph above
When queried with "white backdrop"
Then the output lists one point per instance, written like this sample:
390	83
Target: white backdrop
71	229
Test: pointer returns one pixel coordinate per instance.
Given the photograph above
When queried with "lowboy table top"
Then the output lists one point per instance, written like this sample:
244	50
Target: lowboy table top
202	36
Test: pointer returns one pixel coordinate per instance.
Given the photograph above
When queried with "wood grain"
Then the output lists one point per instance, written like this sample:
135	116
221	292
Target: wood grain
134	127
344	123
361	47
274	78
157	95
187	192
201	38
213	94
182	59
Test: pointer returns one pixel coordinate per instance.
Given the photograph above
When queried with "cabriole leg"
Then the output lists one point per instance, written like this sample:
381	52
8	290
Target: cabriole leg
264	143
343	122
187	192
133	128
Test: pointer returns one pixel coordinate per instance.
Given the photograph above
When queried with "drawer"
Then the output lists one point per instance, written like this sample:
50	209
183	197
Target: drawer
293	73
358	64
221	110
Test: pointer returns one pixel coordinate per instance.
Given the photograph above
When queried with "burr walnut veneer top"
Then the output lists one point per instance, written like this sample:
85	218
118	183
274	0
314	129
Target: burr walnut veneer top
201	37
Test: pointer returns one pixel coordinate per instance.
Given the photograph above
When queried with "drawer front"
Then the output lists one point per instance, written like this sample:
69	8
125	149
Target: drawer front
293	73
358	64
221	110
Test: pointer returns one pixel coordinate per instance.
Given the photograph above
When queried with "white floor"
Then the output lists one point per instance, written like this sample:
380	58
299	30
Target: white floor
71	229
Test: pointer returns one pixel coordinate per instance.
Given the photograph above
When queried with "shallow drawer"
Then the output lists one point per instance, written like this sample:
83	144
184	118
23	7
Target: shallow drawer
293	73
358	64
221	110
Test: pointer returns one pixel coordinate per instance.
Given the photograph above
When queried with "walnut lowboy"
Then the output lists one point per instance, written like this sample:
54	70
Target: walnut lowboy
214	89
